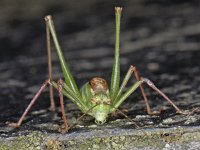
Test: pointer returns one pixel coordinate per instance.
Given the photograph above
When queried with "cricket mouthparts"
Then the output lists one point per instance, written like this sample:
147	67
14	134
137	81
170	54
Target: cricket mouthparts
100	118
100	121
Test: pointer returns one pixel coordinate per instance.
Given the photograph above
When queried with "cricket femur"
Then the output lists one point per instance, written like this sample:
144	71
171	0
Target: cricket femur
98	84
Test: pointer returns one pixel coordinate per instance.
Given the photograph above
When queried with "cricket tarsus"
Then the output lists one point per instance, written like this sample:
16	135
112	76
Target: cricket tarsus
95	98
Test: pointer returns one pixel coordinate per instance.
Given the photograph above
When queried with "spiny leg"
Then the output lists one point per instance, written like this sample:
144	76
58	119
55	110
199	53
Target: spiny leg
122	86
132	70
115	79
149	83
125	81
59	88
15	125
66	72
52	102
66	127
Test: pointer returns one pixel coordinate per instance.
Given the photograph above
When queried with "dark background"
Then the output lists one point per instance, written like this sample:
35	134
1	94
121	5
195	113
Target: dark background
160	37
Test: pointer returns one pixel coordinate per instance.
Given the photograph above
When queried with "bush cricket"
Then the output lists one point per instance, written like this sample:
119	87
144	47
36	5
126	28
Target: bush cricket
95	98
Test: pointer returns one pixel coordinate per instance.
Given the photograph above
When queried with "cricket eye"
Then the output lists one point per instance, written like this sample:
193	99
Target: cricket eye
100	122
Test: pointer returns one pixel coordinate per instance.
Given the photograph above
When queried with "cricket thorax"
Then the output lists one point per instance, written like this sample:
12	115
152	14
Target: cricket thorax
98	85
99	89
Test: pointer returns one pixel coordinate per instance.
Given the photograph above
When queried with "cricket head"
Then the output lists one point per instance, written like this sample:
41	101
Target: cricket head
100	113
100	98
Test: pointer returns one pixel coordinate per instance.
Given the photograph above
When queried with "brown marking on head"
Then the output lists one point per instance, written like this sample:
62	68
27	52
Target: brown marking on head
98	84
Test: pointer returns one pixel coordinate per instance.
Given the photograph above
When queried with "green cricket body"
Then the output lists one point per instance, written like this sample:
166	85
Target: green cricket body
94	98
96	94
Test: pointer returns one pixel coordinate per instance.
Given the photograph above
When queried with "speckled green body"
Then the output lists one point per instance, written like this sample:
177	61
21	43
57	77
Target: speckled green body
100	103
95	98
